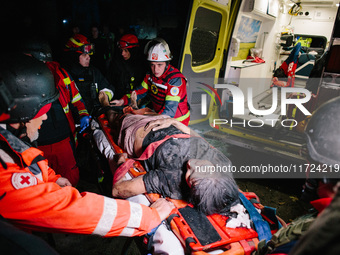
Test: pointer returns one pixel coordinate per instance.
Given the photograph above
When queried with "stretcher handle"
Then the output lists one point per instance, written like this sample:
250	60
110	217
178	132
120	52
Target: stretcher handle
232	249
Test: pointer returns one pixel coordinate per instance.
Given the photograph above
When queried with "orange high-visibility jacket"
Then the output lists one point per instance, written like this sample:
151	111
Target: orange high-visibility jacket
31	199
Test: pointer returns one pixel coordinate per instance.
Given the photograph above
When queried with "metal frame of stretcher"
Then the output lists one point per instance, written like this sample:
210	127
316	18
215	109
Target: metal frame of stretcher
236	241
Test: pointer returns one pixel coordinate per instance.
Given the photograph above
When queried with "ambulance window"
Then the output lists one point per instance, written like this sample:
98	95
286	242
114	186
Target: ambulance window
204	36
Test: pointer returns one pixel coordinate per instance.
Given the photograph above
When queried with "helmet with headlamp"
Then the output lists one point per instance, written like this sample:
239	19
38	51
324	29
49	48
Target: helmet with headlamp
128	41
80	44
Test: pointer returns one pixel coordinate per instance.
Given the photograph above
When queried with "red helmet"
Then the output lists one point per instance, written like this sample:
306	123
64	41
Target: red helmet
80	44
128	41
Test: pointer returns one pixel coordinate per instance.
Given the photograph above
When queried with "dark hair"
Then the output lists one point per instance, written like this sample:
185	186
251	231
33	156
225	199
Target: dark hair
134	52
213	192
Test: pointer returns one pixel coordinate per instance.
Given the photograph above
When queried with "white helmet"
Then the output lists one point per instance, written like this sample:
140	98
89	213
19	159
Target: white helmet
159	52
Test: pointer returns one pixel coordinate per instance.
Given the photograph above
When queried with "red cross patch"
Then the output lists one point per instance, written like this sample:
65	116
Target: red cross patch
23	180
154	56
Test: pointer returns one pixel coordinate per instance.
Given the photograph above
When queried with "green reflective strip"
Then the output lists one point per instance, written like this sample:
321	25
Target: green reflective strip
67	81
109	95
145	85
128	95
172	98
66	109
83	111
183	117
76	98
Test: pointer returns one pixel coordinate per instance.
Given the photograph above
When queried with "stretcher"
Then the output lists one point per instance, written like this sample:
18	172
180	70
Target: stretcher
191	226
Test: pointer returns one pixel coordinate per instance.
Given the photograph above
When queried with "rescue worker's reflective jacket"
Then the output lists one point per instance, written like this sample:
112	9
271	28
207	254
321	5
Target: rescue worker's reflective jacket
168	94
30	199
68	94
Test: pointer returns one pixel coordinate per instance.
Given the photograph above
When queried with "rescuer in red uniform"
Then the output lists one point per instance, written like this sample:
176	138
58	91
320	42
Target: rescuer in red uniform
165	86
58	136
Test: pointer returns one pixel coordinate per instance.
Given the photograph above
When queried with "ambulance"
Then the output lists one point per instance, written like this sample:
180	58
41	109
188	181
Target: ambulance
257	69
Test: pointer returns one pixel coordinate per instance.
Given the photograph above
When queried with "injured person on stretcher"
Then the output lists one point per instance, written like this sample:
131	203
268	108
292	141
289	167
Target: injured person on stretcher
179	163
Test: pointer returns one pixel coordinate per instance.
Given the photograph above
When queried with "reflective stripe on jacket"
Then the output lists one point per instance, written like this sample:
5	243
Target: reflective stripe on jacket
69	94
32	200
168	94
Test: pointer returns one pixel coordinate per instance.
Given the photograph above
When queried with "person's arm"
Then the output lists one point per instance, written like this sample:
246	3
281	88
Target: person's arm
34	202
76	99
129	188
78	103
103	99
166	122
176	89
103	84
141	92
51	174
48	207
278	83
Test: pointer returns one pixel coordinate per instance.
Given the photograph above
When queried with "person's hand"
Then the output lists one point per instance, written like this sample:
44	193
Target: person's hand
63	182
163	207
117	102
103	98
84	123
133	99
159	123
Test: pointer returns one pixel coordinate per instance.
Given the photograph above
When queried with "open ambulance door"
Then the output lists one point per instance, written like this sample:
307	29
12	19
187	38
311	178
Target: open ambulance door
203	57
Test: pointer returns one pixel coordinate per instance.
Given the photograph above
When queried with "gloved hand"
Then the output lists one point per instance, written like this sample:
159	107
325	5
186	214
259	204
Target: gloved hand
84	123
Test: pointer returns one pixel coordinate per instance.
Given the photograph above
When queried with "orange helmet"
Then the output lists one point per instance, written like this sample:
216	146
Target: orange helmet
128	41
80	44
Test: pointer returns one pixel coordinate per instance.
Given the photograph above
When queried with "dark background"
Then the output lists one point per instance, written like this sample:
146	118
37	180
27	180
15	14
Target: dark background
20	19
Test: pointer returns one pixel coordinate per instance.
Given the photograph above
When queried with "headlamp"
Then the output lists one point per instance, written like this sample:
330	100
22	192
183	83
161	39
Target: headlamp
124	44
87	49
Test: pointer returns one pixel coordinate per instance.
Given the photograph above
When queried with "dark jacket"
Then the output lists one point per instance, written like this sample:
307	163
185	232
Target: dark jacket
89	80
126	75
167	166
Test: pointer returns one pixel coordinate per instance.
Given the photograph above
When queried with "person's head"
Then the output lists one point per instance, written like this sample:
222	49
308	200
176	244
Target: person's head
38	48
210	191
127	44
81	45
323	140
95	31
84	60
159	56
158	68
75	29
32	87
